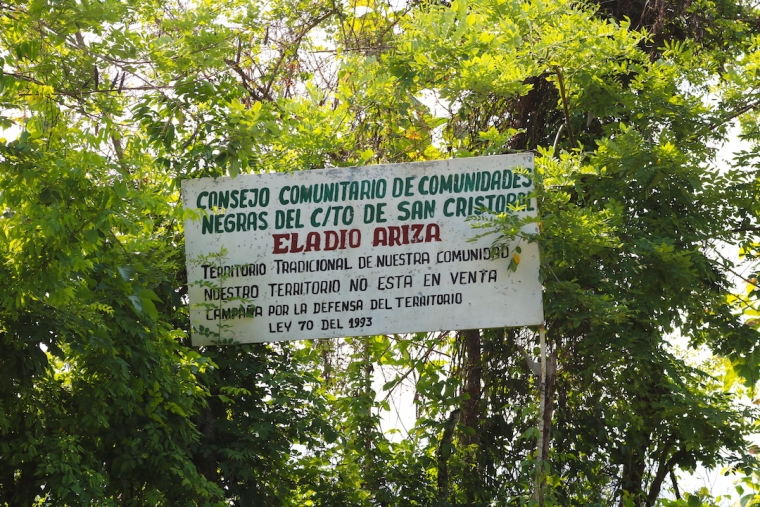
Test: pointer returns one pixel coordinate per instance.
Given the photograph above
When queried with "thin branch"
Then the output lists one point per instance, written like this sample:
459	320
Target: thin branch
117	148
294	46
383	47
556	138
24	78
79	93
565	108
754	228
727	267
249	86
731	116
412	369
192	136
674	481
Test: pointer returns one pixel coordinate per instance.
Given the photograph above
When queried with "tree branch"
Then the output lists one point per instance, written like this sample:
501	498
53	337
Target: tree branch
565	108
294	45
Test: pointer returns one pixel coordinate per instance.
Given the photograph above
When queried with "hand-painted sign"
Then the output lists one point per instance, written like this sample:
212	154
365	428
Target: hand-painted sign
359	251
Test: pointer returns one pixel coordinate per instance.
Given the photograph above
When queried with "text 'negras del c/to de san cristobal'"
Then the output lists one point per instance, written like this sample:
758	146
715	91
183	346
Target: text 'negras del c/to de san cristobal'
359	251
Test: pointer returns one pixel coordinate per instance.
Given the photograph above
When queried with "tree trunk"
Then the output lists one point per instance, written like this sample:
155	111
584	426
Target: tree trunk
444	451
634	468
473	373
206	460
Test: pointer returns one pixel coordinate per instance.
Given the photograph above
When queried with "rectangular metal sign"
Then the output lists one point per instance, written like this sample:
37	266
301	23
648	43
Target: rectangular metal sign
359	251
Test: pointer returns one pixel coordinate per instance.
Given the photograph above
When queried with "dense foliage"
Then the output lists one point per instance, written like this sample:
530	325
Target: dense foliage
107	105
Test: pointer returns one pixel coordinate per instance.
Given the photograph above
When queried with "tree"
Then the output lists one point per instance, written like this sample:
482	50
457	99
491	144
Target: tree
112	104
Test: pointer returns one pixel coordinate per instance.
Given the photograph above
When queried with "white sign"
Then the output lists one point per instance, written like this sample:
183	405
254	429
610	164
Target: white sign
359	251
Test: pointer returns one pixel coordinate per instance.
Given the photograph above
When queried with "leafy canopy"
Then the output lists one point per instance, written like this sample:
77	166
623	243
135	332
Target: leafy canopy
106	106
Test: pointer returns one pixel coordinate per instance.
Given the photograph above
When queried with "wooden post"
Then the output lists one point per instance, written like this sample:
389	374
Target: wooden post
538	492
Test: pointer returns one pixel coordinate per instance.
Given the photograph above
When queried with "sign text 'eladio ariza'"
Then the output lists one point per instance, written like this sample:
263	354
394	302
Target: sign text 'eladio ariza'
359	251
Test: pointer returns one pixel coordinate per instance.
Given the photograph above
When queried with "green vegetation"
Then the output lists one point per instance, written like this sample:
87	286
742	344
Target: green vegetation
108	105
